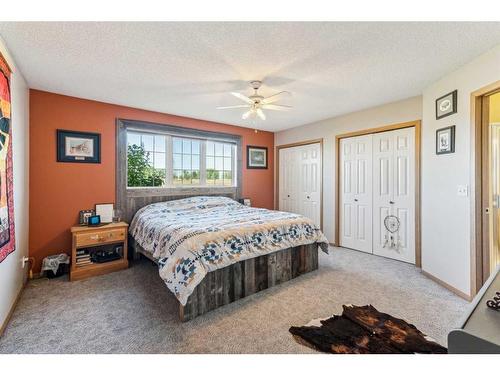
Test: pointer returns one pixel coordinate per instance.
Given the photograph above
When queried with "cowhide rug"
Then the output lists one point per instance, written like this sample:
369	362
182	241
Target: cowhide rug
365	330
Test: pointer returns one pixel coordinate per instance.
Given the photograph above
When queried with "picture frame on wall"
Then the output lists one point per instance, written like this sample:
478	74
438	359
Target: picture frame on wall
256	157
445	140
78	147
446	105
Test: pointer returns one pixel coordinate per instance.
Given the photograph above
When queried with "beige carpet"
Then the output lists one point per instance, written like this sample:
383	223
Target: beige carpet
132	311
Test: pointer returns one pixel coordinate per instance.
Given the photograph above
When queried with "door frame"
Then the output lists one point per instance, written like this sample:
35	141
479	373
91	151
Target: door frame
417	125
480	223
277	172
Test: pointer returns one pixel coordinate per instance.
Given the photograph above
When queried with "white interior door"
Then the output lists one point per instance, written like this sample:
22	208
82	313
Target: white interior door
310	181
356	193
287	177
300	180
394	193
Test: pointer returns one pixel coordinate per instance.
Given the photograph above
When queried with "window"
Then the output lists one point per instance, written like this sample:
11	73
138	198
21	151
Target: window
160	160
186	155
220	165
146	159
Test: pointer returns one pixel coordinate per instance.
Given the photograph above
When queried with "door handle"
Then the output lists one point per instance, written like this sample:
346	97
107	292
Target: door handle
288	195
391	202
308	197
355	199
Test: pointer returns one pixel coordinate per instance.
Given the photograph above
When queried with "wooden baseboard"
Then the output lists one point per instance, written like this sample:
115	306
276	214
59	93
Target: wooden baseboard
11	311
447	286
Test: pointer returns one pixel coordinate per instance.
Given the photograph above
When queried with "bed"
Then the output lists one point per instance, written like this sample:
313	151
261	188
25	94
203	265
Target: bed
212	250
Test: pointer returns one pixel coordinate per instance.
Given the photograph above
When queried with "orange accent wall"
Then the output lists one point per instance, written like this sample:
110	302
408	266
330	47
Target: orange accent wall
58	191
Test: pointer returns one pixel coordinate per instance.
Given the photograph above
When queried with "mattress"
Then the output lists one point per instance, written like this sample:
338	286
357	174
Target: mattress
193	236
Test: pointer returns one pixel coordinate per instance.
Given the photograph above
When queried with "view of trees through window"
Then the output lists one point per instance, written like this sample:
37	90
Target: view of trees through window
186	161
168	161
219	163
140	171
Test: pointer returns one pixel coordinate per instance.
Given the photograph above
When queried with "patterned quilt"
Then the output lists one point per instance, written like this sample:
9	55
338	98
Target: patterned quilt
191	237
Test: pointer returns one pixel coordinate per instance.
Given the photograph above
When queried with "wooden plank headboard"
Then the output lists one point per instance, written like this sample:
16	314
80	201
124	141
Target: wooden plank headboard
134	201
129	200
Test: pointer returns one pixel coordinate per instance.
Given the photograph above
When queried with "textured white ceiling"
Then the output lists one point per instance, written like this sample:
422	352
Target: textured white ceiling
189	68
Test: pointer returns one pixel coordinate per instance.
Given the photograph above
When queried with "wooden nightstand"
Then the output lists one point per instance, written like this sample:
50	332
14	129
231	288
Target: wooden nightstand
89	240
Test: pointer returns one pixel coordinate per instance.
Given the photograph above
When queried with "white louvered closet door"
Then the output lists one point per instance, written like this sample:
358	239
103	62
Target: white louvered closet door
300	180
394	193
356	193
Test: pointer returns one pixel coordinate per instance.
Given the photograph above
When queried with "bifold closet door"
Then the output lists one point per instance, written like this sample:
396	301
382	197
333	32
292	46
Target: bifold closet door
394	193
288	178
309	193
300	180
356	193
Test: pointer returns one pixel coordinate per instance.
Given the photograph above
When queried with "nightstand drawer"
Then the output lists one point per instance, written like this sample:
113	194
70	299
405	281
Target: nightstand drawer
99	238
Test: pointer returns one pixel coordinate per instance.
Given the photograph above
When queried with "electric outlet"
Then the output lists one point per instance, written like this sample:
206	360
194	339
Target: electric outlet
462	190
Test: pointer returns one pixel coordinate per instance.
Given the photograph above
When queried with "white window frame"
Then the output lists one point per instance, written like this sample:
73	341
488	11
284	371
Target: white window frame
169	163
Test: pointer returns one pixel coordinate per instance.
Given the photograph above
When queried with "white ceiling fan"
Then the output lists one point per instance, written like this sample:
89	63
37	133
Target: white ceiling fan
256	103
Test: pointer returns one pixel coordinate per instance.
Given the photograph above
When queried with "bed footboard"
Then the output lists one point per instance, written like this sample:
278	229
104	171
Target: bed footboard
247	277
242	279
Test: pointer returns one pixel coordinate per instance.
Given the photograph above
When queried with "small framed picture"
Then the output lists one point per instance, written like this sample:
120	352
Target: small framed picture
256	157
84	216
78	147
446	105
105	211
445	140
245	201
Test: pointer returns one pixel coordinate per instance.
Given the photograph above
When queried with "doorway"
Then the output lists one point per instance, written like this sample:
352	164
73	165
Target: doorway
488	192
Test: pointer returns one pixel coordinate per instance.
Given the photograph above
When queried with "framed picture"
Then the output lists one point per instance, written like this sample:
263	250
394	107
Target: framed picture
84	216
256	157
78	147
445	140
245	201
105	211
446	105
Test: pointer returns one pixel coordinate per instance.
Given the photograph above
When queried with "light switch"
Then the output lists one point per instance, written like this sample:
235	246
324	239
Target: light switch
462	190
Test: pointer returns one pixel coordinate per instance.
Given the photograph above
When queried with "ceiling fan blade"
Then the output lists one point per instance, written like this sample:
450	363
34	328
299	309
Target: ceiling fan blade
277	107
273	98
235	106
246	114
246	99
261	114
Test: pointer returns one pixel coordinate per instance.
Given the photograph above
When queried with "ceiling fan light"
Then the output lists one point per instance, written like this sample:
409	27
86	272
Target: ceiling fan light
257	102
246	114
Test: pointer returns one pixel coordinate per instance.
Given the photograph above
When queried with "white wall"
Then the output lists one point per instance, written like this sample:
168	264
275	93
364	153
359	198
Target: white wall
447	227
11	273
392	113
446	218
